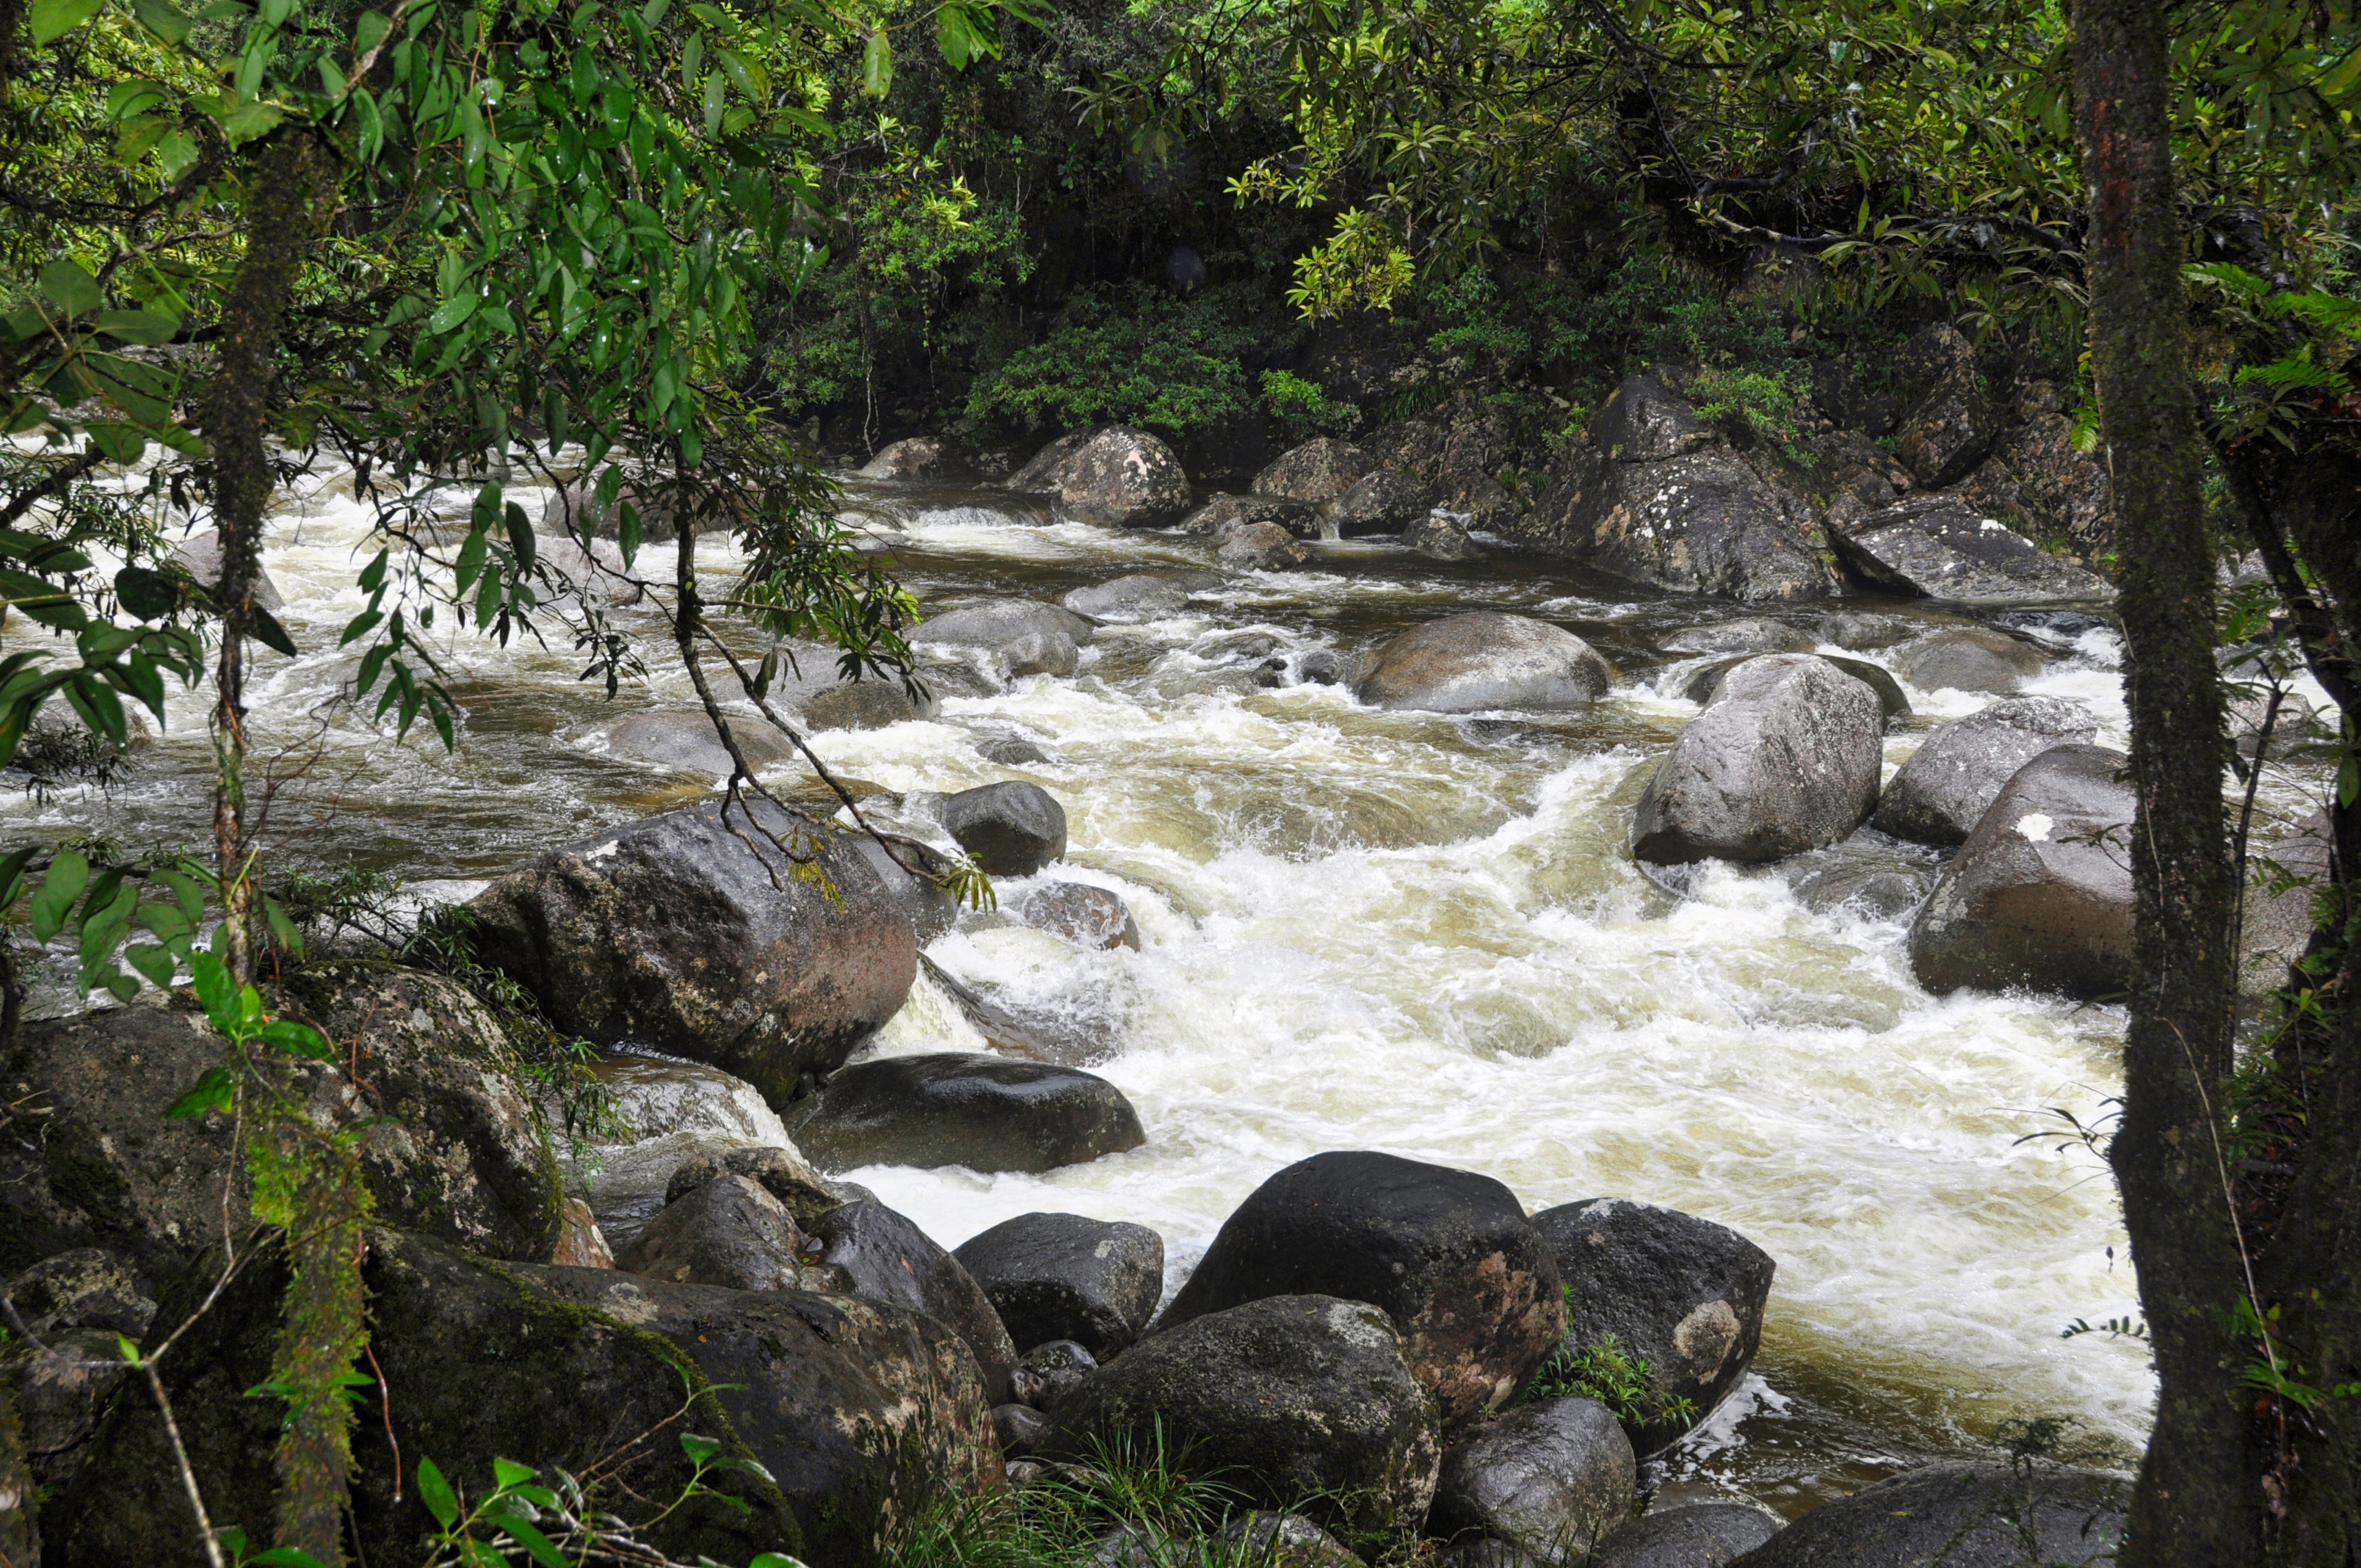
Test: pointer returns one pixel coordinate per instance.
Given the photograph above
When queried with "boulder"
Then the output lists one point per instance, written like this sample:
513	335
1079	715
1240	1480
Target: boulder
913	457
1703	1535
892	1261
695	934
1115	477
865	704
862	1414
2040	895
1966	658
964	1108
1260	547
449	1140
1039	654
1683	1293
1659	499
1047	1373
1267	1539
727	1231
1290	1397
1937	547
1951	426
1129	599
1223	514
1865	633
1011	828
996	623
1322	469
1961	1514
61	1390
1943	790
1483	659
597	574
1448	1255
1441	536
1753	634
1384	501
686	743
199	555
1010	751
1086	916
910	874
1701	687
1785	758
1017	1427
86	1287
802	1191
580	1243
1063	1277
1551	1479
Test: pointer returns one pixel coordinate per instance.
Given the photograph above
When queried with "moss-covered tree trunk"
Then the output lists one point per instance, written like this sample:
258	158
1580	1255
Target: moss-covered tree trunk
2193	1505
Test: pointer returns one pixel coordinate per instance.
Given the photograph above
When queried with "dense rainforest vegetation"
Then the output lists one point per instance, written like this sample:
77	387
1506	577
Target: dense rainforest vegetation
695	247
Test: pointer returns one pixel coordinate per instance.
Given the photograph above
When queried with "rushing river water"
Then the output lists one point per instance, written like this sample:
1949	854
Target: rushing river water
1365	929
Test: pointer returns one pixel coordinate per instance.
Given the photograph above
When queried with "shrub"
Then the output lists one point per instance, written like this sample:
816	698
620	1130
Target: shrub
1303	408
1136	355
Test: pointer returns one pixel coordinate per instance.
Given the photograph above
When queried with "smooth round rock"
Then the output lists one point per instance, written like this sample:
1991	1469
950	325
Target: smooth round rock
1019	1427
1969	659
686	743
1483	660
1046	1374
864	705
1115	477
913	457
1086	916
1260	547
1755	634
1701	686
725	1232
1448	1254
890	1259
1063	1277
1706	1535
1441	536
1224	514
804	1192
1785	758
1944	788
1268	1540
996	623
1961	1514
1039	654
1552	1478
965	1108
2040	895
1125	600
1386	501
1322	469
1011	828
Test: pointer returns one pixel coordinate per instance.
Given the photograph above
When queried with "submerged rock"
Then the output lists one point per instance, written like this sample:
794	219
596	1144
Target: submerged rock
996	624
1551	1478
1133	598
1963	1516
1483	659
1448	1255
2040	895
1753	635
1260	547
1943	790
1116	477
1011	828
1063	1277
1290	1397
1937	547
963	1108
1086	916
1785	758
1684	1294
891	1260
696	934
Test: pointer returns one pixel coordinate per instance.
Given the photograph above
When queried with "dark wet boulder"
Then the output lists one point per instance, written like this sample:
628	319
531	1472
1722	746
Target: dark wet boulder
964	1108
914	457
1046	1374
1290	1397
1943	790
686	743
802	1191
909	871
1010	751
2040	895
1223	514
861	1413
1017	1427
864	705
1701	686
1448	1255
727	1231
1086	916
1115	477
1755	634
1683	1293
61	1389
86	1287
1269	1539
1659	498
890	1259
1260	547
1937	547
1785	758
1953	420
1063	1277
1551	1479
995	623
698	935
1385	501
1441	536
1864	632
1012	829
1038	653
1703	1535
1322	469
1962	1514
1965	658
1483	659
1135	596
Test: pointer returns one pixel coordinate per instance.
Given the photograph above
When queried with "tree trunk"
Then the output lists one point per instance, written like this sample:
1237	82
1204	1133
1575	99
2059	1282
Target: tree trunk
2193	1504
293	180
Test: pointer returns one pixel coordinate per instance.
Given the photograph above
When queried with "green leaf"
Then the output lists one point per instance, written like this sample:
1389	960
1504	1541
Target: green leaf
215	1091
510	1474
298	1039
282	929
453	311
250	120
138	326
117	443
186	892
537	1546
125	99
156	963
436	1493
12	875
876	64
163	19
215	988
70	288
283	1557
521	539
271	633
149	595
68	875
55	18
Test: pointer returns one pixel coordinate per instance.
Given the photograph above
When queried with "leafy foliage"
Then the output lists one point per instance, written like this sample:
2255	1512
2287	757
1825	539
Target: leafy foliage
1136	356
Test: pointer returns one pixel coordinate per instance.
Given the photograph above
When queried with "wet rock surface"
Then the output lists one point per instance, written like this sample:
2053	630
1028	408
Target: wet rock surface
1260	547
963	1108
1551	1478
727	1231
1939	547
1967	659
1943	790
1012	829
1136	597
888	1259
1465	664
1047	1373
1705	1535
1116	477
1323	469
1086	916
994	624
1063	1276
1961	1516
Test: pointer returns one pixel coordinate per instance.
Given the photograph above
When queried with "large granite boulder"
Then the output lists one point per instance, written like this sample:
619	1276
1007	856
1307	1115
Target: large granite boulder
1659	499
1116	477
1550	1479
862	1414
864	705
727	1231
996	624
2040	895
890	1259
913	457
1785	758
1130	598
1702	1535
686	743
1701	687
1937	547
1962	1514
1011	828
1224	514
963	1108
1448	1254
1951	426
695	933
1384	501
1086	916
1063	1277
1290	1397
1943	790
449	1137
1968	659
1260	547
1322	469
1682	1293
1483	659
